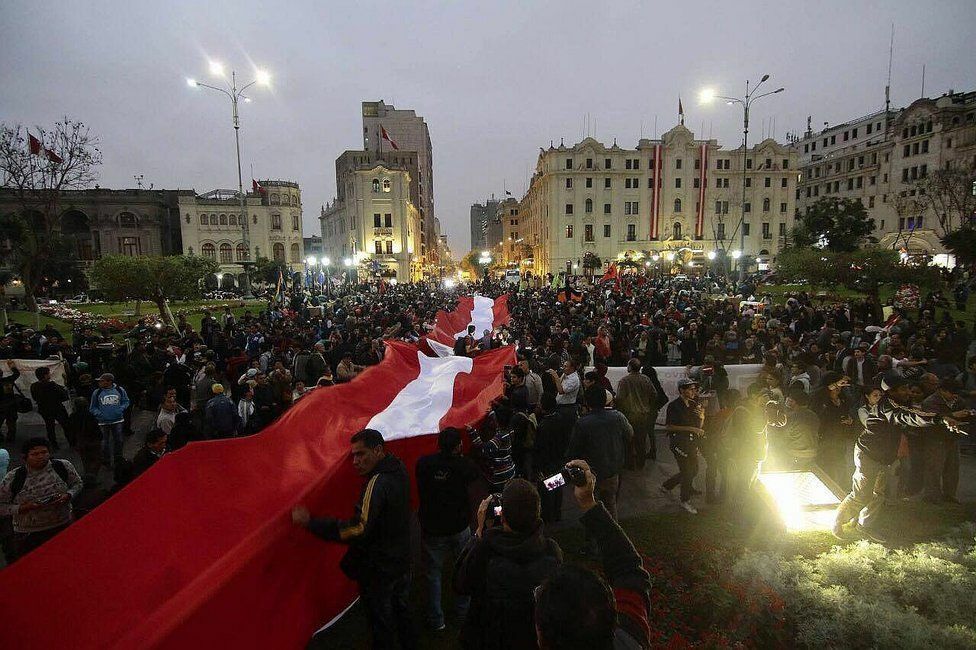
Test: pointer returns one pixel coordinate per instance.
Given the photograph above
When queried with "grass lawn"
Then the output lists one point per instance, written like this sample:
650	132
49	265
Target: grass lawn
27	319
779	294
714	532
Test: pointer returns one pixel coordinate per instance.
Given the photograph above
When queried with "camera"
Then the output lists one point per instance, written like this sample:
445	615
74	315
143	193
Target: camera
495	505
569	474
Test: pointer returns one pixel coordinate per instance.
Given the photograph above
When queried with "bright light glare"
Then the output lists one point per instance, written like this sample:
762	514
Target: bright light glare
263	77
347	262
449	283
393	281
736	254
216	68
192	83
310	260
802	500
655	257
326	261
711	255
706	96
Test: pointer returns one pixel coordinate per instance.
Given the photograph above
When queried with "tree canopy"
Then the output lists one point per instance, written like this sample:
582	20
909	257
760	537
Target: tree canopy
962	243
155	278
834	224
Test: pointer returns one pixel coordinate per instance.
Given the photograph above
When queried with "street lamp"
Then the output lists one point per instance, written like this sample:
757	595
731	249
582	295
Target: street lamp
708	95
235	94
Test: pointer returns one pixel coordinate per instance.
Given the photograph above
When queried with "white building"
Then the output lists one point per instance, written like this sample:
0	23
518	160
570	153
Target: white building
210	226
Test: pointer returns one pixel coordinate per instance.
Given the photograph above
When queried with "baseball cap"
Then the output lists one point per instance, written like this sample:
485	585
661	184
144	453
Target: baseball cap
106	376
685	383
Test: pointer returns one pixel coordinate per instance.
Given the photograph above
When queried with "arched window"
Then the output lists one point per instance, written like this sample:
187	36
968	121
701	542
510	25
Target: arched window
226	254
209	250
376	185
676	230
278	252
232	219
296	253
241	252
127	220
386	184
204	220
223	220
294	200
589	206
677	205
213	220
276	222
274	199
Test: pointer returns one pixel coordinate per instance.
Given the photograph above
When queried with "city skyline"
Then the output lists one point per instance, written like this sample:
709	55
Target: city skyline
493	87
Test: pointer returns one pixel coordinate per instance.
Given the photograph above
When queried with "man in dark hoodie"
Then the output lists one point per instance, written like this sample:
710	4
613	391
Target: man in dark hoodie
500	569
378	536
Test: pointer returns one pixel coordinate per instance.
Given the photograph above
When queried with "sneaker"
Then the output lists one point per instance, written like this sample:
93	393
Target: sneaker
666	492
438	628
686	505
869	535
845	532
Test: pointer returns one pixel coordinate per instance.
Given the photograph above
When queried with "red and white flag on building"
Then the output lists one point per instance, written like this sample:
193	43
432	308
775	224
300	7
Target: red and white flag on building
257	187
482	312
200	551
386	136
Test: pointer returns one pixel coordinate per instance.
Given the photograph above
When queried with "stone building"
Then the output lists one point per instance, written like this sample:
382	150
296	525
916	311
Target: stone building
678	197
372	223
880	159
211	227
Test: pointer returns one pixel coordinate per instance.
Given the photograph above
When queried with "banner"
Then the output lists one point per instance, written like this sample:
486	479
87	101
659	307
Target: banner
200	551
27	368
482	312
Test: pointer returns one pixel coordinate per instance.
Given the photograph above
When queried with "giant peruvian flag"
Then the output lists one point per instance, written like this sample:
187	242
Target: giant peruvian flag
482	312
200	551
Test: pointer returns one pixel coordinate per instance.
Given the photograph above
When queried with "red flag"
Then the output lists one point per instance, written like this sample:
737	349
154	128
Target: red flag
257	187
480	311
611	274
386	136
53	157
34	144
201	548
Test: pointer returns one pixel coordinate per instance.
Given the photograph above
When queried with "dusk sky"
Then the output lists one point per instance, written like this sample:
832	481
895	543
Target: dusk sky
494	80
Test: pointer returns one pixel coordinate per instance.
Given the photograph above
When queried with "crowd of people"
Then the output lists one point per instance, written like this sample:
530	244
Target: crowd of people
856	390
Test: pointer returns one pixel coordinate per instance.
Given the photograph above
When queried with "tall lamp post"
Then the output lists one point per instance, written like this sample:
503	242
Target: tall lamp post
262	78
707	96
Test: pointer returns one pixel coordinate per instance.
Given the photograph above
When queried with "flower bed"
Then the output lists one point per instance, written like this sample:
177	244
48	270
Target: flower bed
82	319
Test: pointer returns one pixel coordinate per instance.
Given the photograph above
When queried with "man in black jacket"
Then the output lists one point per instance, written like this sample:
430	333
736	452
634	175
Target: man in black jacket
575	608
50	398
442	482
378	536
501	568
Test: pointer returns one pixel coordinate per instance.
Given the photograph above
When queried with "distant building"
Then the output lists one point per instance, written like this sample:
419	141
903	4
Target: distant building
511	250
678	197
485	227
879	160
211	227
372	222
410	133
312	246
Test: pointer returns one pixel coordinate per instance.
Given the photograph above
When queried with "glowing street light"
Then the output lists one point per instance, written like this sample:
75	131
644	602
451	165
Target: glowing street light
310	260
449	283
192	83
711	255
347	262
736	254
326	261
262	77
217	68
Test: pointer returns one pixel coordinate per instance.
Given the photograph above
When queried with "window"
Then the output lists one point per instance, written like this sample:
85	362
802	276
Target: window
782	229
569	183
588	206
225	253
232	219
925	146
720	231
389	247
747	207
569	163
377	246
131	246
636	163
850	183
589	163
386	184
628	164
677	163
696	182
748	163
278	252
767	182
677	183
748	182
718	207
606	230
127	220
677	205
786	163
650	184
783	182
388	220
208	250
766	232
569	208
589	181
676	230
631	232
588	232
377	221
204	220
745	230
606	208
276	222
569	231
782	208
697	163
846	135
833	139
870	201
606	163
241	252
296	253
606	183
376	185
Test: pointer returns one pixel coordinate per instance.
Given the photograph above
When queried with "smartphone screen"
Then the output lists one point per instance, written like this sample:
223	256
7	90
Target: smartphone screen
498	511
554	481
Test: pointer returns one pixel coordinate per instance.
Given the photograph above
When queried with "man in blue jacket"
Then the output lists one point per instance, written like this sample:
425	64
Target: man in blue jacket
108	404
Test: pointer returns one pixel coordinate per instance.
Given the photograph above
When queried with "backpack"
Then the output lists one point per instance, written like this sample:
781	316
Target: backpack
20	475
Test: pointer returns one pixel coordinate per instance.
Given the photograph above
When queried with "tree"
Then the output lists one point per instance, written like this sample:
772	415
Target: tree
470	264
962	243
266	270
155	278
834	224
948	194
64	158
